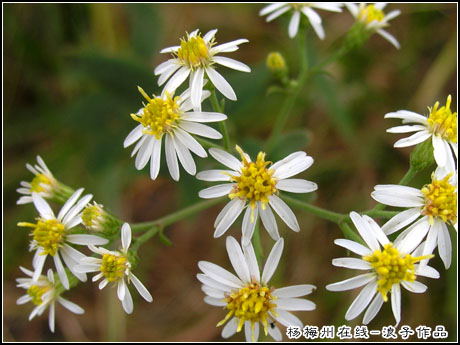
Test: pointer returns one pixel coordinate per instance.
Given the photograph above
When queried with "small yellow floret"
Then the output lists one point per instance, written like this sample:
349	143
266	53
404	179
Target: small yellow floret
38	182
49	234
114	266
36	292
194	52
440	200
369	13
443	122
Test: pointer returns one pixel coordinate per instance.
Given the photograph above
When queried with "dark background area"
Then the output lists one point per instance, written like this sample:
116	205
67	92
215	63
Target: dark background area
70	81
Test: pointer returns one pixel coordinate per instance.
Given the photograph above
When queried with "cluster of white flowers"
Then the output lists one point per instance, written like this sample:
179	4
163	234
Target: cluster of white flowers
254	187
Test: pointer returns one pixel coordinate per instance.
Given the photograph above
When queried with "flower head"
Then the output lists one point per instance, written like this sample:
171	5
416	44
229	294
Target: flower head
277	9
390	264
430	210
51	235
374	19
115	267
44	183
255	185
440	125
247	297
197	56
43	293
165	116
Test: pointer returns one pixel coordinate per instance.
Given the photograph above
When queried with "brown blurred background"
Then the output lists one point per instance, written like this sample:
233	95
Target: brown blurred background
70	81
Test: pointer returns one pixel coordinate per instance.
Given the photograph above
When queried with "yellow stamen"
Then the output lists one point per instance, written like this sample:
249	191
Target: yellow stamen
114	266
49	234
440	200
93	216
160	115
255	182
36	292
392	268
194	52
443	122
369	13
251	303
38	182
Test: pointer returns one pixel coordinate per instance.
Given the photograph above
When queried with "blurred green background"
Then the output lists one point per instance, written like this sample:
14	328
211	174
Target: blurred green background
70	81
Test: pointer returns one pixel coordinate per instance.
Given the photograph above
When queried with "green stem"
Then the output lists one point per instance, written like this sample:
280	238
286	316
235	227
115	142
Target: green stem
257	242
317	211
290	101
222	124
349	233
380	214
145	237
176	216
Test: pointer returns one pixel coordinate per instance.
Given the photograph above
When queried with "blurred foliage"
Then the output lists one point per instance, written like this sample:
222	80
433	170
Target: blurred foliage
70	81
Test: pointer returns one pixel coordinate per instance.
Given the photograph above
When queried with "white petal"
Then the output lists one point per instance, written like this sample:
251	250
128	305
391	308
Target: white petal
272	261
396	302
351	283
407	117
251	260
70	306
277	13
42	207
219	274
145	153
426	271
376	230
155	159
401	220
439	151
373	309
102	284
231	63
389	37
214	175
228	47
121	289
287	319
217	302
353	247
391	15
444	245
294	291
249	225
185	157
61	271
328	6
271	8
171	158
229	218
295	304
201	130
230	328
168	72
364	230
275	333
353	263
415	287
296	186
209	35
362	301
414	236
294	24
406	129
190	142
133	136
84	239
287	159
269	221
237	259
176	80
414	139
125	236
169	49
225	158
196	87
216	191
250	337
352	8
127	302
315	21
221	84
73	218
208	281
292	167
23	299
204	117
141	288
284	212
69	203
139	144
164	66
51	317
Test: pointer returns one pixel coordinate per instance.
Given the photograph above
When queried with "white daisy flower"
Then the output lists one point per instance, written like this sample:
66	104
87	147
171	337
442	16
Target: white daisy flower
255	185
435	203
43	293
374	18
196	57
115	267
165	116
51	236
277	9
440	125
248	298
43	183
391	265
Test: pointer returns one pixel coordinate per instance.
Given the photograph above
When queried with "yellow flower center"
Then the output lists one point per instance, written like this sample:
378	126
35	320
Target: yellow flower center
443	122
250	303
255	182
275	61
36	183
194	52
36	292
49	234
159	116
392	268
440	200
114	266
370	13
92	216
